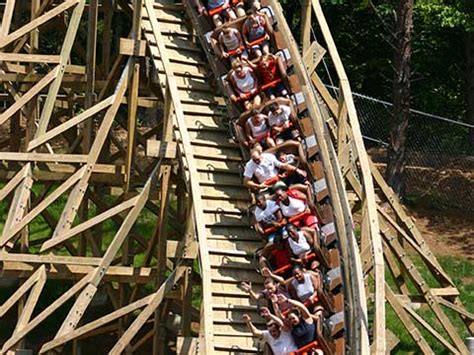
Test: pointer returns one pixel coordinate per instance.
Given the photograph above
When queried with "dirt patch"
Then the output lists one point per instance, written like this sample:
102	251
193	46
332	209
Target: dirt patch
446	232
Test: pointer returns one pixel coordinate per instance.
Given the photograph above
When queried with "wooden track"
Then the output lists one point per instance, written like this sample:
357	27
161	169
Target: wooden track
228	238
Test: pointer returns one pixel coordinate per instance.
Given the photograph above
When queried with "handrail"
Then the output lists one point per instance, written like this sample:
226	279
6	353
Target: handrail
199	220
367	183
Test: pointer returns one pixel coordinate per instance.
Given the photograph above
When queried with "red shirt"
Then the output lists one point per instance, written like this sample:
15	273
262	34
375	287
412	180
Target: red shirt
268	74
282	257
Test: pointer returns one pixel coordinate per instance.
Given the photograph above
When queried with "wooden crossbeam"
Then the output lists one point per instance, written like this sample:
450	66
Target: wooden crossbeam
85	297
165	287
77	194
21	291
64	55
71	123
44	157
9	234
40	85
29	58
90	223
30	26
45	313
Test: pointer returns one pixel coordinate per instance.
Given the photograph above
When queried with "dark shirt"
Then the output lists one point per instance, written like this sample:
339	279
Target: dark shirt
303	333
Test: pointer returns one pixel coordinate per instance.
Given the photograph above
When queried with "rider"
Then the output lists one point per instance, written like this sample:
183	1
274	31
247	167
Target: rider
257	130
264	166
244	85
230	43
272	75
218	10
256	31
267	214
279	119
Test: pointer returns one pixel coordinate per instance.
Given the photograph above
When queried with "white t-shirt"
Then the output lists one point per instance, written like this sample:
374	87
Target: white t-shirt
279	119
294	207
268	214
267	168
283	345
300	246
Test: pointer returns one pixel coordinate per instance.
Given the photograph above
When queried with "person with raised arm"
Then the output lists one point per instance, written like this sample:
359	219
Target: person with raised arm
277	336
271	287
298	319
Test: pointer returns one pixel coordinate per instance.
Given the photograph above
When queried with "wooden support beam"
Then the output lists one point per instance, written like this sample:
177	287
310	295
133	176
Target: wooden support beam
127	337
65	53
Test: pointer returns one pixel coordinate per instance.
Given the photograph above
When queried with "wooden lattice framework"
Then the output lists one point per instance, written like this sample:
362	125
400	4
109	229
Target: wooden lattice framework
68	144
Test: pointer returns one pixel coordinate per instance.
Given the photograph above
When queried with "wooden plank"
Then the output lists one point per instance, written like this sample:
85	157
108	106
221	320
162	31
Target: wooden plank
40	207
367	183
29	58
45	314
44	157
160	149
10	302
90	223
78	192
32	300
128	46
85	297
13	182
7	18
402	314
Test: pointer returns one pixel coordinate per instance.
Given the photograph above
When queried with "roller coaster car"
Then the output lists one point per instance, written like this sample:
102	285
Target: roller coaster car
239	124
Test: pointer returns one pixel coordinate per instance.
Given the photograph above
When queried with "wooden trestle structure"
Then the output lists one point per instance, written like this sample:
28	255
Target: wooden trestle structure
148	213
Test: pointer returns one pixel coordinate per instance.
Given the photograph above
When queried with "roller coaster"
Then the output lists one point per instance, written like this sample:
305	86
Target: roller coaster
130	211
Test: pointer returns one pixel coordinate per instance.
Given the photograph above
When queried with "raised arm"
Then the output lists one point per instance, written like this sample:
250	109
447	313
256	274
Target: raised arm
255	332
247	287
267	273
277	320
304	310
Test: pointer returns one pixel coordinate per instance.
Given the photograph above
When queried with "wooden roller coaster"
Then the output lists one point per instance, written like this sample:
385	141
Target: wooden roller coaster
125	226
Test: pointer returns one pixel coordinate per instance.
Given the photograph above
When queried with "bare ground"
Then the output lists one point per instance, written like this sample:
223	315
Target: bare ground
447	232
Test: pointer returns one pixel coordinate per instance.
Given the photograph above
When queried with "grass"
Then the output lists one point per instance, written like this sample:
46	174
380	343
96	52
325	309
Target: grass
462	272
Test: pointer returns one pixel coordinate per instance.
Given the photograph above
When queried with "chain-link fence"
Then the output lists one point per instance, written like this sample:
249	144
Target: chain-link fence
439	158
